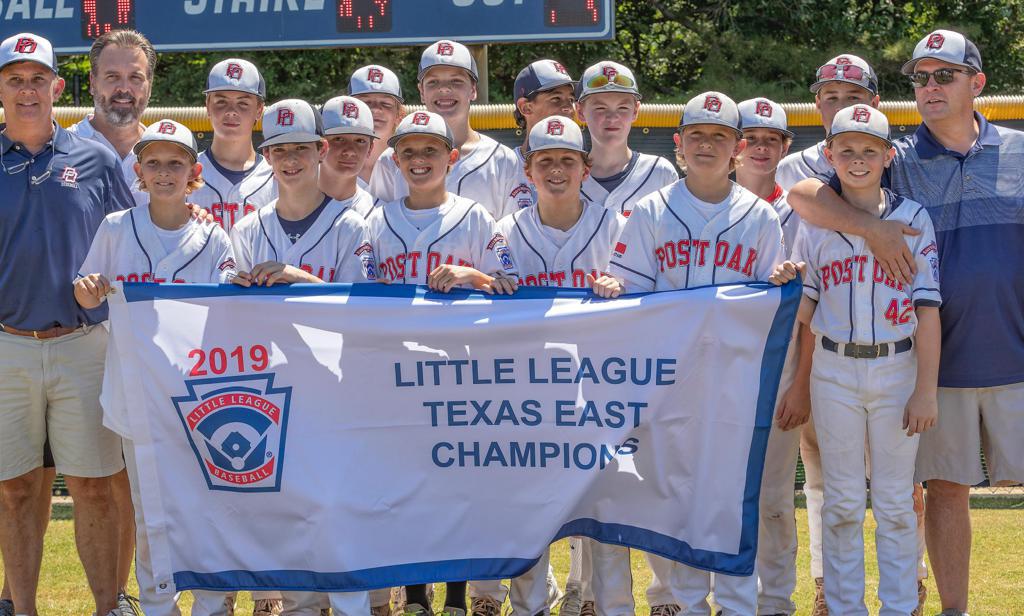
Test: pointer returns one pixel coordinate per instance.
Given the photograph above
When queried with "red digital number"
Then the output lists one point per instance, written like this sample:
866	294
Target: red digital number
568	13
896	315
364	16
217	360
102	16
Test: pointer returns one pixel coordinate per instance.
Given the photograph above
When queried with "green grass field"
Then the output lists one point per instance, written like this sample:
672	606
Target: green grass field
997	569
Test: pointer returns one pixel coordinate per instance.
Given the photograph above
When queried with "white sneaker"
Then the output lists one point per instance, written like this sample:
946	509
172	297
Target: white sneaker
572	600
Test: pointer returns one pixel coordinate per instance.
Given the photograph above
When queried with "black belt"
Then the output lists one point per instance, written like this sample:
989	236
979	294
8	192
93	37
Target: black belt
867	351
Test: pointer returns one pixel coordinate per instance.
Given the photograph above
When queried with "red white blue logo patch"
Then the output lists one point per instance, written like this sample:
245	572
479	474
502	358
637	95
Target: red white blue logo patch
236	426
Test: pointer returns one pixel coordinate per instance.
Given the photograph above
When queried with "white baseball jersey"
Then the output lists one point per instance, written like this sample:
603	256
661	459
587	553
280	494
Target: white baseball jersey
485	175
85	130
857	302
362	203
544	263
648	175
336	248
229	202
127	248
788	217
463	234
801	165
675	241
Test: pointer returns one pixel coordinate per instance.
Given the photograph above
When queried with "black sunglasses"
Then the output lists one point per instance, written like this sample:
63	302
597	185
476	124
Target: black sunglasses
942	76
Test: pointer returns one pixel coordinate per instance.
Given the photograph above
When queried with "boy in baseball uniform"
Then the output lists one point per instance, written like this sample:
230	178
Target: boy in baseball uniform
238	179
874	374
768	139
485	169
157	241
565	241
379	88
349	131
701	230
542	89
440	239
609	103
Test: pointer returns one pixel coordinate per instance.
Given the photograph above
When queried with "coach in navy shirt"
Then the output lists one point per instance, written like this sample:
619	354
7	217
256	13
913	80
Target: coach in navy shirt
968	174
55	188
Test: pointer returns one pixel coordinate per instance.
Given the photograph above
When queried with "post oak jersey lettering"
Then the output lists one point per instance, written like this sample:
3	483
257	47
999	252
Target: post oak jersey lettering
85	130
807	163
542	263
669	244
648	175
229	202
485	175
857	302
463	234
335	248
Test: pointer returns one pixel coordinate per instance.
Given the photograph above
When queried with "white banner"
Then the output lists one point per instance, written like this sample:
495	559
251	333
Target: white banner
336	437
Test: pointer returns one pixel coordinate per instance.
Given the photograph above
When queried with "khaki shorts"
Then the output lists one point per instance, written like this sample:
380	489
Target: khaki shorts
970	420
51	388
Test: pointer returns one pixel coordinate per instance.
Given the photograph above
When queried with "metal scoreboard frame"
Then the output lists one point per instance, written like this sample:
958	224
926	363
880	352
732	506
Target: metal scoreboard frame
207	25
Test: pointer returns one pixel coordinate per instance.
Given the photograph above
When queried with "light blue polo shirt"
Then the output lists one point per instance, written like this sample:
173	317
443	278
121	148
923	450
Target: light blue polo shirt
976	203
47	225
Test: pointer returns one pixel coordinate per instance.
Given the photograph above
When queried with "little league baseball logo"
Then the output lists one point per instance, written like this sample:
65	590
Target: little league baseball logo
234	70
236	427
713	104
375	75
935	41
763	109
25	45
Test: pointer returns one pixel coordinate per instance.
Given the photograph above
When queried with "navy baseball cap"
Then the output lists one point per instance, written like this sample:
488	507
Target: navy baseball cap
539	76
948	46
28	47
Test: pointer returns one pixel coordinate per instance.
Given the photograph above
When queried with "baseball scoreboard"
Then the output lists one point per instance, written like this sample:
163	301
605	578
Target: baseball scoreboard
204	25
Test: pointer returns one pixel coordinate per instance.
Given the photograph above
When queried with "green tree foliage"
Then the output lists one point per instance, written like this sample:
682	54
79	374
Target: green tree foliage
676	48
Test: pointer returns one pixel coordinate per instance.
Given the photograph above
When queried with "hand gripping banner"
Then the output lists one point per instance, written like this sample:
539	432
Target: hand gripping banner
337	437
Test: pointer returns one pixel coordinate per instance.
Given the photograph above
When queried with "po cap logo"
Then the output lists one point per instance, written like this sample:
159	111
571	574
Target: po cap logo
25	45
350	110
713	104
763	109
609	72
375	75
935	41
861	114
555	127
167	128
285	117
234	70
444	48
420	119
559	68
842	61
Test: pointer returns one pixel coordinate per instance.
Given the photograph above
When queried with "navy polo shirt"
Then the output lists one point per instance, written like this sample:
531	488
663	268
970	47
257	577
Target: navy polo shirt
976	203
47	226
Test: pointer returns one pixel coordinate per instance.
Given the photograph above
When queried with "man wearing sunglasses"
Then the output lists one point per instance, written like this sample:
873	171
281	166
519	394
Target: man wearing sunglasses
967	174
57	188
